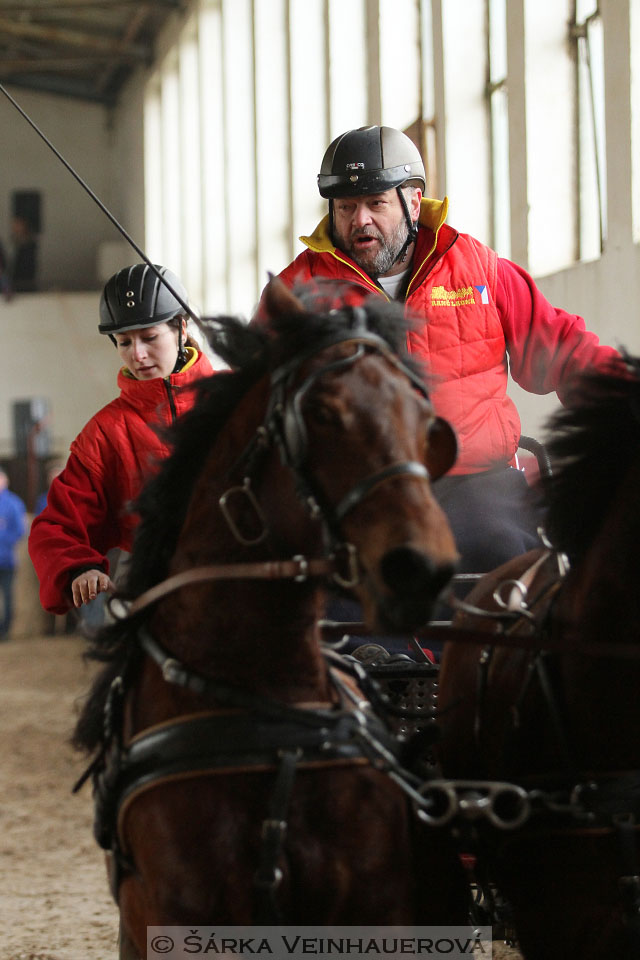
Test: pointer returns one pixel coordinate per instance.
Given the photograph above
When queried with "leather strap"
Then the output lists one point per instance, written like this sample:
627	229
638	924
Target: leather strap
298	568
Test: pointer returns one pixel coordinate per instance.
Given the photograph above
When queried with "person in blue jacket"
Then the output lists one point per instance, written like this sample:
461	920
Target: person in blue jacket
12	529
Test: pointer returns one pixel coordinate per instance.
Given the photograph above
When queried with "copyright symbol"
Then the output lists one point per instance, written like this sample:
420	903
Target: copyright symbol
162	944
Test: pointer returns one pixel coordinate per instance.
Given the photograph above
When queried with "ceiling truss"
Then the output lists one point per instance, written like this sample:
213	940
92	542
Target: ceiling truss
79	48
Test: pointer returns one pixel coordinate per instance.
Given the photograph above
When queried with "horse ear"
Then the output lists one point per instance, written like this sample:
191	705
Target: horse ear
442	448
279	300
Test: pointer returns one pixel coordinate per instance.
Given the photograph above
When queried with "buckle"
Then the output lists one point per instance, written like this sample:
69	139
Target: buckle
351	577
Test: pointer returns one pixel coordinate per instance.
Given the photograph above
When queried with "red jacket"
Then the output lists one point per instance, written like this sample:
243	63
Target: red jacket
88	504
477	316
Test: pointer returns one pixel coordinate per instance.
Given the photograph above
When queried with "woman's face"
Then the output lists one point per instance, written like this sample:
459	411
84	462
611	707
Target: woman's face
151	352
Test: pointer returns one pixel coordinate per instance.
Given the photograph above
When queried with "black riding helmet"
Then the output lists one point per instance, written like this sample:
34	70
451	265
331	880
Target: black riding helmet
135	298
371	160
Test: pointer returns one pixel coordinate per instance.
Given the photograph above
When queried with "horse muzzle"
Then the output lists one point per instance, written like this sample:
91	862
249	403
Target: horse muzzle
411	583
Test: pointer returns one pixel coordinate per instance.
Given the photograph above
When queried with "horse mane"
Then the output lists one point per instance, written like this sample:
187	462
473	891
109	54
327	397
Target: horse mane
250	351
592	442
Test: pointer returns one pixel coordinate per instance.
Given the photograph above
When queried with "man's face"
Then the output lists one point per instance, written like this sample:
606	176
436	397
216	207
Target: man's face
372	229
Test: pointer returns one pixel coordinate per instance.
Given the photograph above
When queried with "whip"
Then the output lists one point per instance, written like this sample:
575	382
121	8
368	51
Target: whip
85	186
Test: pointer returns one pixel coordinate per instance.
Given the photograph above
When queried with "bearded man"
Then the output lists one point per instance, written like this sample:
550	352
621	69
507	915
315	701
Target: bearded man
475	318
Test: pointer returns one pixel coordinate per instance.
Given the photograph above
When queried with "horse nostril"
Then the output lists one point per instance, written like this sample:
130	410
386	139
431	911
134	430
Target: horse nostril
406	571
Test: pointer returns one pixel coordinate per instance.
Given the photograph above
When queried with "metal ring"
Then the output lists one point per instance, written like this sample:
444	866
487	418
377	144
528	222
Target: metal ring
437	793
513	794
245	491
303	563
510	603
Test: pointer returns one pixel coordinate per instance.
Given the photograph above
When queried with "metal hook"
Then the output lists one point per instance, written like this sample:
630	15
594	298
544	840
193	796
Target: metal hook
512	602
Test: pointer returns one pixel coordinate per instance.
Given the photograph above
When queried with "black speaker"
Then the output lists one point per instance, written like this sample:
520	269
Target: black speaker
27	204
31	429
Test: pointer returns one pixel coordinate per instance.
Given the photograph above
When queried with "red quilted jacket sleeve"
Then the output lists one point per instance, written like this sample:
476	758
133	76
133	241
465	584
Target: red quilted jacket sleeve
547	346
70	533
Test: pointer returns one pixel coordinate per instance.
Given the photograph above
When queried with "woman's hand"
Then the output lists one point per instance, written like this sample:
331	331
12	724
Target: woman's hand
89	584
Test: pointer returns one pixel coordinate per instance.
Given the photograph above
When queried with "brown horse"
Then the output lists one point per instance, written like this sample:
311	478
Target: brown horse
310	459
549	702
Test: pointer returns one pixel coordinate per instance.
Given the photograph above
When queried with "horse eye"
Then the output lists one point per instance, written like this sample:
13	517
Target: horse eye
320	413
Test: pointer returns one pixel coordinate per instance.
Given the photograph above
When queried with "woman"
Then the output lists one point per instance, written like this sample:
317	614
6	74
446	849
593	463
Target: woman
88	508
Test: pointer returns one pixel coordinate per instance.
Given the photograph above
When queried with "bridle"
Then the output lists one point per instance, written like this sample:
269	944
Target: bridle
571	803
284	428
286	425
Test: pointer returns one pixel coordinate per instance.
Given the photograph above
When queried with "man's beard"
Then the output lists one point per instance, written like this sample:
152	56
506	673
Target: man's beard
377	263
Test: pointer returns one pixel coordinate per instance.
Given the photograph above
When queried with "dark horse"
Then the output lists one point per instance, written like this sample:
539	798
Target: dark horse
551	705
239	777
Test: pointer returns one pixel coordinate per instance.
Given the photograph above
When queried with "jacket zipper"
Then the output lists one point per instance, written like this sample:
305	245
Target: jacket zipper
170	397
372	286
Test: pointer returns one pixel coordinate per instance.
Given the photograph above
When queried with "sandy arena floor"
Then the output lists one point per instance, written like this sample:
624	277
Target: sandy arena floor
54	898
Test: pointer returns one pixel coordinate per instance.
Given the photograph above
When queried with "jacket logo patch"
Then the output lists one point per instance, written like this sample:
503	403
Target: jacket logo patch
482	290
440	297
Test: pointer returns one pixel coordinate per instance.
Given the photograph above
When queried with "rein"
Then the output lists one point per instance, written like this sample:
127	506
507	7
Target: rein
250	733
298	568
370	732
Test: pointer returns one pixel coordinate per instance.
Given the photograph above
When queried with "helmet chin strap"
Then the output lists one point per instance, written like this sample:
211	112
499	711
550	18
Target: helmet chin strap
181	359
412	228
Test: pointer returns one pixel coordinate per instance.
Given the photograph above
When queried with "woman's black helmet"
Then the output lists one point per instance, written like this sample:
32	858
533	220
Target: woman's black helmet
135	298
369	160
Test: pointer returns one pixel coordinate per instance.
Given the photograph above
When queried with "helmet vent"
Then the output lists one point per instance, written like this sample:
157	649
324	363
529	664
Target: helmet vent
135	298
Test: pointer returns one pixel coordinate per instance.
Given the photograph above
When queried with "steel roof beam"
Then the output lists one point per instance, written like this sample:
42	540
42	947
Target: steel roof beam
55	5
24	65
73	38
64	88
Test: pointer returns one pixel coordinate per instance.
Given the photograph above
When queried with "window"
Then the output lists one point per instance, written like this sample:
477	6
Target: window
309	128
190	187
549	84
214	211
171	178
347	66
399	63
635	114
467	174
497	93
428	98
592	202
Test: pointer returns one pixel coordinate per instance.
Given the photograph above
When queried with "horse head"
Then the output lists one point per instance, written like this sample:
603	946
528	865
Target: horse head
355	427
